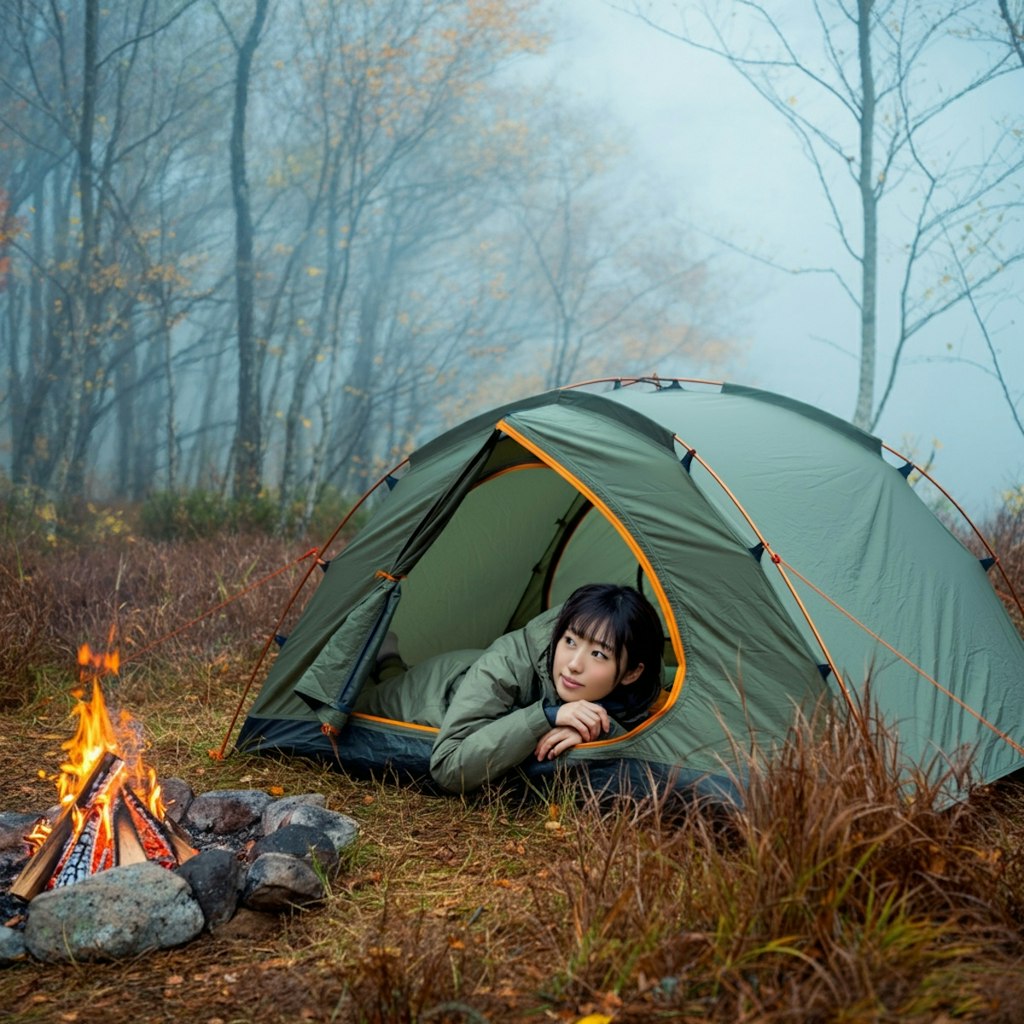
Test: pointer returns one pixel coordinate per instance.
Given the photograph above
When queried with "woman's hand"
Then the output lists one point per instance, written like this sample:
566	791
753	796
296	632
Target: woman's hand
556	741
591	721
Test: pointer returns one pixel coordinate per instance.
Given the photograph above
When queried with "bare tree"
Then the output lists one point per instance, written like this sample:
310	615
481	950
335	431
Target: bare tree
1014	21
612	290
248	446
380	264
73	102
866	97
374	174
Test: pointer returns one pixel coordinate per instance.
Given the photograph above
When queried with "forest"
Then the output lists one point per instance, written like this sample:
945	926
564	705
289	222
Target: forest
266	248
252	254
263	248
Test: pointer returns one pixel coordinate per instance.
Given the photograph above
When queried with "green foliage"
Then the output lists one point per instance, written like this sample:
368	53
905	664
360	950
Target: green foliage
28	516
330	509
199	515
1013	500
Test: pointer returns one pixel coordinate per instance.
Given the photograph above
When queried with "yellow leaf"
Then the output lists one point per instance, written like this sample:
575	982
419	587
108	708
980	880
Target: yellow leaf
595	1018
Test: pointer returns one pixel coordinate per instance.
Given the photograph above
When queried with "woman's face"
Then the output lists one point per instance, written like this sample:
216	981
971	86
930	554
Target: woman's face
584	668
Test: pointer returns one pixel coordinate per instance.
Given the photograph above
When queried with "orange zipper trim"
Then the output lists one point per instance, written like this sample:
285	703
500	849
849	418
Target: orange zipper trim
677	643
394	721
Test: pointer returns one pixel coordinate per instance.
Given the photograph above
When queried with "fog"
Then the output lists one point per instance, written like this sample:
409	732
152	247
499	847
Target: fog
437	206
735	177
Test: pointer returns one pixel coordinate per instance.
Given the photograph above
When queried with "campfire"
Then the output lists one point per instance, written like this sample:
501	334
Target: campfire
111	809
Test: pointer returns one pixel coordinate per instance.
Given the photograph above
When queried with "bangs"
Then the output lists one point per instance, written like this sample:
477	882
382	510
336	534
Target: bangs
623	621
599	629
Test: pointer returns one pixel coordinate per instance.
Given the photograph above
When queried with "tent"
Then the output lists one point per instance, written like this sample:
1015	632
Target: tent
789	556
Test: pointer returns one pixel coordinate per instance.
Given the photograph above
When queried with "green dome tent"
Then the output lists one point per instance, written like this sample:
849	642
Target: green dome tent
788	557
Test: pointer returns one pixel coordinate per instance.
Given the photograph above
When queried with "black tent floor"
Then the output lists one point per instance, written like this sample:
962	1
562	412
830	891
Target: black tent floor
402	754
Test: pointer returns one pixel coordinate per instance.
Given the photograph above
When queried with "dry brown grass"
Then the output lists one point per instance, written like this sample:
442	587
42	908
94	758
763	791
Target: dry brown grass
840	894
1004	534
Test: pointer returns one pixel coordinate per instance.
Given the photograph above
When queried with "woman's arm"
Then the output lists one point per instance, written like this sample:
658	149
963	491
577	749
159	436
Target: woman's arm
495	719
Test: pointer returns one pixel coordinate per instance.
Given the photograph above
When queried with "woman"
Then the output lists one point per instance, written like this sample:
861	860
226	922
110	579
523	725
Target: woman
571	675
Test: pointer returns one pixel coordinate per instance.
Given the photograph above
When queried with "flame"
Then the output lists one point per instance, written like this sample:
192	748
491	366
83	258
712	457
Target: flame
96	735
112	812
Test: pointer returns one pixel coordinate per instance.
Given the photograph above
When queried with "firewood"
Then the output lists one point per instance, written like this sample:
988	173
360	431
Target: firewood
44	862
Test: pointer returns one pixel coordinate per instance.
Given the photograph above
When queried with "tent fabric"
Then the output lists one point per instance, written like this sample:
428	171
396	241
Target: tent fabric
789	561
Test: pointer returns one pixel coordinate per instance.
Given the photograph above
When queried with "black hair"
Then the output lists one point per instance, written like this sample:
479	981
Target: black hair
623	619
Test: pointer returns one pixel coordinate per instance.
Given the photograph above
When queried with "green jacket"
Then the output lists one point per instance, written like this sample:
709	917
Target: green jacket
496	714
488	705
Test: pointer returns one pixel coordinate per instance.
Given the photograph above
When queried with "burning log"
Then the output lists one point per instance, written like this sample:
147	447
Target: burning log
141	835
104	821
106	824
39	870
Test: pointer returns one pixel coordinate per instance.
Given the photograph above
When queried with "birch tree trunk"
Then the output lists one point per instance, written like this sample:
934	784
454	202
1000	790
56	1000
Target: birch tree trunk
865	405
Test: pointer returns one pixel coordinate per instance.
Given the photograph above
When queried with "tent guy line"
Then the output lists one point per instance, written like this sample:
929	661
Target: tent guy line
917	668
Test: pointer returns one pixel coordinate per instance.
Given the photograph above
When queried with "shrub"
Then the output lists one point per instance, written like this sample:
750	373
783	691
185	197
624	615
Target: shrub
203	514
195	605
200	515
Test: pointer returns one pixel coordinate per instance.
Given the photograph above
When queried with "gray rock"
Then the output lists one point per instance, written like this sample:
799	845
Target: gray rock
277	881
122	912
339	828
12	946
177	795
277	813
223	811
302	841
14	826
216	878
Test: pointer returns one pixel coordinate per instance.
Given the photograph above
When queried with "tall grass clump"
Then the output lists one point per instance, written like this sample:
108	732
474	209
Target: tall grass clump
28	596
1005	533
190	609
846	887
413	971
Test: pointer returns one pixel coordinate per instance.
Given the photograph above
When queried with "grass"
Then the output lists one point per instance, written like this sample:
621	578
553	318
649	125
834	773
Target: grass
840	894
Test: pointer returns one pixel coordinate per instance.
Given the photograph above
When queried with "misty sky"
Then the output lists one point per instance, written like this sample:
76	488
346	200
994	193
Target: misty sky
731	167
